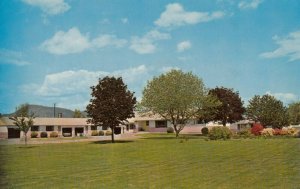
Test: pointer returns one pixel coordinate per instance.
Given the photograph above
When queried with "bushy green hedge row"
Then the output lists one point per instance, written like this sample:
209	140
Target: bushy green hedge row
101	133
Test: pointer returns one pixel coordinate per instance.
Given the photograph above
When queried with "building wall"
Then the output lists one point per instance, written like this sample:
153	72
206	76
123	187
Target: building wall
3	132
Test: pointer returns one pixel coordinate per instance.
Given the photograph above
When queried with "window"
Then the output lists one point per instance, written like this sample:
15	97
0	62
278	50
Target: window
35	128
147	123
49	128
93	128
159	124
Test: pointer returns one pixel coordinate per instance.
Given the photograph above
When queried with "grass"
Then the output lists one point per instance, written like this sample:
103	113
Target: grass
155	161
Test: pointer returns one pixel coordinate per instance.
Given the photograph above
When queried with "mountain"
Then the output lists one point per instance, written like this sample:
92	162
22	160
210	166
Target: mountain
45	111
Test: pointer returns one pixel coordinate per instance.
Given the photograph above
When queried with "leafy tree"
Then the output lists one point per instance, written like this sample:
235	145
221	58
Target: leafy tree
176	96
294	113
231	108
23	120
268	111
111	103
78	114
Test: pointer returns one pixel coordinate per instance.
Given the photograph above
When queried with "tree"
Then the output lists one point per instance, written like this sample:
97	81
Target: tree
23	120
111	103
176	96
78	114
231	108
294	113
267	110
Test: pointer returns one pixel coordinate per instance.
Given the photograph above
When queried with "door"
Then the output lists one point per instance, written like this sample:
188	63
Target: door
13	133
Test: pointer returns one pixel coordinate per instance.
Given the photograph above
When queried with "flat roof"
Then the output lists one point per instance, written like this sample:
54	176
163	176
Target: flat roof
5	121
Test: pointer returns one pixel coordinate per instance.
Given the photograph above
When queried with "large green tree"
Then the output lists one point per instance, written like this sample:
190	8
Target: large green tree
23	120
268	111
294	113
176	96
111	103
231	108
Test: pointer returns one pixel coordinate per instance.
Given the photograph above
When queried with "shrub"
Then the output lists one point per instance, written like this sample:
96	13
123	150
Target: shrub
53	134
219	132
101	133
108	133
277	131
204	131
94	133
292	131
267	132
245	133
256	129
44	135
170	130
34	134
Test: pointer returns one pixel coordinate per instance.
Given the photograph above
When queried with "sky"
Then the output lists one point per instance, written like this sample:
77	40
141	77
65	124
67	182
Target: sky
52	51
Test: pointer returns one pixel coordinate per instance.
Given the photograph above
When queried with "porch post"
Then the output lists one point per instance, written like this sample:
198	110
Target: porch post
73	132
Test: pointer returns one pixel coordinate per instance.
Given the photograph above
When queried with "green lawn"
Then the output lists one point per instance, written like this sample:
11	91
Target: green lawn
157	161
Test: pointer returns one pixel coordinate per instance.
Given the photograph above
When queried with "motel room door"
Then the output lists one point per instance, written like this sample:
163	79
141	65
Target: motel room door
13	133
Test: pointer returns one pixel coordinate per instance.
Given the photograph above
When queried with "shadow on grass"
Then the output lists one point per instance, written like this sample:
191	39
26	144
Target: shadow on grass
27	147
181	136
109	142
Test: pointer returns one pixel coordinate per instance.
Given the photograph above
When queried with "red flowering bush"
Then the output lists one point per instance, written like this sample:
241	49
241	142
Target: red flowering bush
256	128
277	131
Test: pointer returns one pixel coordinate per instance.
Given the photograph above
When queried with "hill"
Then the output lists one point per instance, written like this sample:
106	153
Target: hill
45	111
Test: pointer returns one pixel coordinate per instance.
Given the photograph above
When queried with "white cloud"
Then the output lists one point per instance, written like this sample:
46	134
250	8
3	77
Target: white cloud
184	45
284	97
249	4
68	42
288	47
175	15
146	44
108	40
50	7
12	57
73	41
71	89
124	20
78	82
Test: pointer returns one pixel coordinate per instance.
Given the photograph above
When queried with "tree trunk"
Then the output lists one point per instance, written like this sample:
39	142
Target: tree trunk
25	134
176	130
224	123
112	135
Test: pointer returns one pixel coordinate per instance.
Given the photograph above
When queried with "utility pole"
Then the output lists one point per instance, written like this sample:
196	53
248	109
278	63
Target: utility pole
54	110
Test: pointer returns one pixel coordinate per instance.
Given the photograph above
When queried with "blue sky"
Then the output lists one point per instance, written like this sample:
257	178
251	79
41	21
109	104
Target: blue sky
52	51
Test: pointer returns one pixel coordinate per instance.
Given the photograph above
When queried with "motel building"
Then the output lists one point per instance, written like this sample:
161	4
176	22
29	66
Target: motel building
64	127
74	127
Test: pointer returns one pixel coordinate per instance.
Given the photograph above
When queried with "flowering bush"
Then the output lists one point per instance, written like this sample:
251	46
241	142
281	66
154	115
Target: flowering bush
256	128
277	131
267	132
292	131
